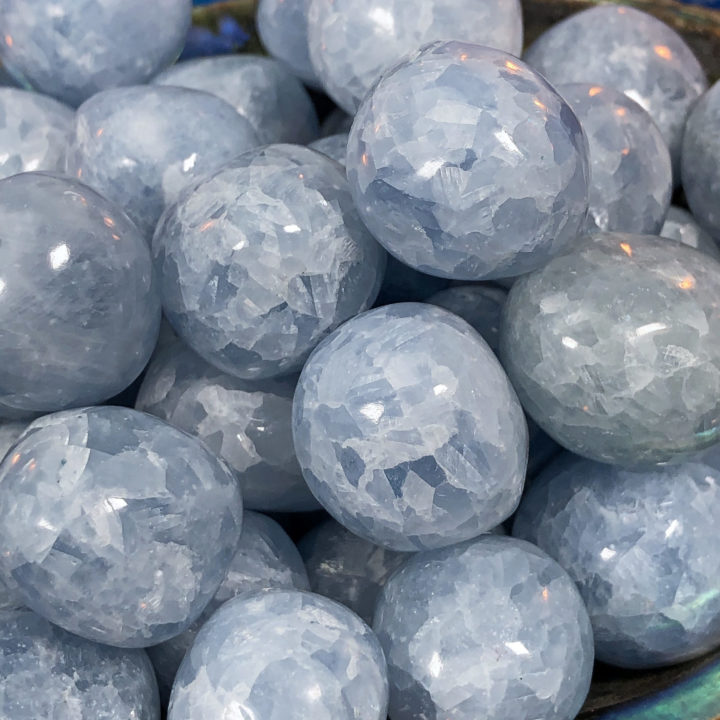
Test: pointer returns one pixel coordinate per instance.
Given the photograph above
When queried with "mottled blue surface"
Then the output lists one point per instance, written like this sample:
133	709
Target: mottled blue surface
334	146
407	429
116	526
10	431
79	311
681	226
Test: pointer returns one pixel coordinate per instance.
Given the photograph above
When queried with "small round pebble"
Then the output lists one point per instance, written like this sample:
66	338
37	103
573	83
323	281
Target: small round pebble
141	146
643	549
466	164
117	527
79	309
403	284
72	49
408	431
491	629
282	654
614	349
262	260
47	673
680	225
334	146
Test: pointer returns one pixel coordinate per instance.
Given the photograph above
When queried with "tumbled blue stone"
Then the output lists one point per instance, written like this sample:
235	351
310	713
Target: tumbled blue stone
614	349
141	146
10	431
79	310
643	549
334	146
491	629
263	259
49	674
466	164
274	102
282	654
337	121
403	284
246	422
72	49
115	525
407	429
680	225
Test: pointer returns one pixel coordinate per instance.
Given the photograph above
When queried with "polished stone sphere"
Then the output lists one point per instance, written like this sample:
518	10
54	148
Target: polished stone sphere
334	146
680	225
10	431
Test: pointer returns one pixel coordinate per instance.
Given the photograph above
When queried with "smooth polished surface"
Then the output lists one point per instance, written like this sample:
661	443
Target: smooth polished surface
407	429
282	654
79	309
491	629
334	146
10	431
116	526
680	225
466	164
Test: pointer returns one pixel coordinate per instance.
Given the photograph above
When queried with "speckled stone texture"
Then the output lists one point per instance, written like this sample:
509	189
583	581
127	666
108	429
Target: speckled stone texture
680	225
282	654
46	672
630	51
701	160
262	260
614	349
116	526
334	146
489	629
79	309
403	284
34	132
141	146
407	429
643	549
10	595
466	164
248	423
72	49
274	102
352	41
266	558
630	168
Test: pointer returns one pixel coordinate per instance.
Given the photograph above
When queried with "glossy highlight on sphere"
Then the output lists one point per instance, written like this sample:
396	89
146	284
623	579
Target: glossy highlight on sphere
494	189
117	527
614	349
408	431
680	225
79	309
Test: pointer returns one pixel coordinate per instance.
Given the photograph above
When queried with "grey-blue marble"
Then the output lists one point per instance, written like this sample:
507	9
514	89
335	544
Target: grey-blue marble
614	349
72	49
246	422
643	549
334	146
10	431
263	259
116	526
492	628
680	225
282	654
408	430
464	163
79	308
403	284
260	88
49	674
140	146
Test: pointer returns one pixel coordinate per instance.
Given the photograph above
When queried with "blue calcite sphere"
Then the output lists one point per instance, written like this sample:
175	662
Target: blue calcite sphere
630	168
352	41
334	146
247	423
262	260
116	526
614	349
403	284
466	164
643	549
48	673
491	629
79	309
408	431
261	89
282	654
35	132
10	431
680	225
140	146
628	50
72	49
701	160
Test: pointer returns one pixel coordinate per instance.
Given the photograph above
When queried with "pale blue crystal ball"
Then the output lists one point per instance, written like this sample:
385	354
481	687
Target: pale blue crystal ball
491	628
643	549
282	654
10	431
334	146
466	164
408	430
116	526
79	309
681	226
